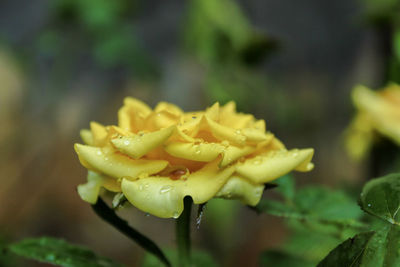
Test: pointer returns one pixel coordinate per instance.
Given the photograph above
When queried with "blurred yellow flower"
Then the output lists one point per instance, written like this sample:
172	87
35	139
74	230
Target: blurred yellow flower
378	111
157	157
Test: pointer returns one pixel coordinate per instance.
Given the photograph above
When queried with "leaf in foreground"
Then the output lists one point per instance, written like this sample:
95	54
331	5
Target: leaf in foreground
59	252
381	197
370	249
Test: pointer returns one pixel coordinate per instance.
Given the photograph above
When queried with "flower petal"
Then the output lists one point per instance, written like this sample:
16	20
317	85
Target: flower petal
87	137
232	153
132	115
255	135
138	145
89	192
115	164
269	166
225	133
239	188
163	197
99	133
171	108
205	152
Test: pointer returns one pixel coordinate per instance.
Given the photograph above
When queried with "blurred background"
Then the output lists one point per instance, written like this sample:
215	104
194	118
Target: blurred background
64	63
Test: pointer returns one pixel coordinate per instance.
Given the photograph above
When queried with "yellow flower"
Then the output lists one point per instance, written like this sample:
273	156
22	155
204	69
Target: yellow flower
157	157
378	111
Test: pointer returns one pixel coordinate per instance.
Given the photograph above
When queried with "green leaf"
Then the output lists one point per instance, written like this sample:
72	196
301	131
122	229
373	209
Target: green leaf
349	253
381	197
281	259
286	186
59	252
316	204
370	249
199	259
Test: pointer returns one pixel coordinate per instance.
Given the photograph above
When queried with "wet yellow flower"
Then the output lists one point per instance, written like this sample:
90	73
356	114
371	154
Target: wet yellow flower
378	112
157	157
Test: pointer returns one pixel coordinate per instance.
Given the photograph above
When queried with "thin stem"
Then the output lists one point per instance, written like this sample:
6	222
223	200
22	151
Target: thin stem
183	233
107	214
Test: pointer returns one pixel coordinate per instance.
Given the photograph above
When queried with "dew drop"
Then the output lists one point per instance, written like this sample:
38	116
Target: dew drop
225	143
147	214
106	158
99	153
127	142
238	132
140	187
175	215
369	204
165	189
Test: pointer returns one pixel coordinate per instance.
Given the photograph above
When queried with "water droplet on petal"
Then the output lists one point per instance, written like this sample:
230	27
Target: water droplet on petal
99	153
127	142
165	189
175	215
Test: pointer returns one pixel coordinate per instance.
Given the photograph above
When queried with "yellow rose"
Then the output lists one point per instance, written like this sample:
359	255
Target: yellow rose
157	157
378	111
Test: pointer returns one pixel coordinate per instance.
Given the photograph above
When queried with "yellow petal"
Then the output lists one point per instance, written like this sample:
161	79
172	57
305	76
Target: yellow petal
87	137
99	133
115	164
239	188
205	152
232	153
112	184
260	125
137	105
138	145
124	120
213	112
255	135
274	164
226	133
206	182
159	196
133	114
162	119
171	108
163	197
89	192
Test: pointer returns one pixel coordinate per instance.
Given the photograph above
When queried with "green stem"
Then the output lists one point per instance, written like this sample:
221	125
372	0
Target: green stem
183	233
109	215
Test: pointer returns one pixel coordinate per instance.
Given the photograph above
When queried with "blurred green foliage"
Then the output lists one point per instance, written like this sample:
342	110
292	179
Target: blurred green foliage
102	29
220	36
318	219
